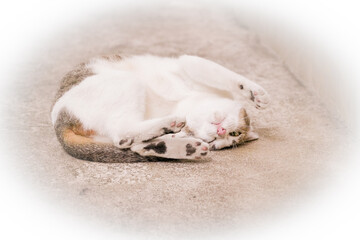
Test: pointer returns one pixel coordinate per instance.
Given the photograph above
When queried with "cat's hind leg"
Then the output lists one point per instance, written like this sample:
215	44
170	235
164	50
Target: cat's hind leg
147	130
211	74
173	148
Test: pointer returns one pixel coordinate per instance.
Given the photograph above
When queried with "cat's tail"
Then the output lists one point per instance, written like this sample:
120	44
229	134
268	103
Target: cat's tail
79	143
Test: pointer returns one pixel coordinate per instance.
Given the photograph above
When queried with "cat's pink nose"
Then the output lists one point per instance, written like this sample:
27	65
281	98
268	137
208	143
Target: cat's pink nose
221	131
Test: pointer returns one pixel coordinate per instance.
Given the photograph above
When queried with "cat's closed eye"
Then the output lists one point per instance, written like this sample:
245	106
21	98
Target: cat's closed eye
234	134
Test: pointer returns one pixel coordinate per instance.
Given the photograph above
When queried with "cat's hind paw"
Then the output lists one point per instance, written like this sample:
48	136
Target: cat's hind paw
197	150
174	148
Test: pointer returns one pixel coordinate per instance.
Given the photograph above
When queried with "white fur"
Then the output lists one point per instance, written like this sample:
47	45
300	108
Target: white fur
139	95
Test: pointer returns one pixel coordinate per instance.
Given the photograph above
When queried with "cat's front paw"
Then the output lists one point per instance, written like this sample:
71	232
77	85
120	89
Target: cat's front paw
174	125
166	126
213	147
256	94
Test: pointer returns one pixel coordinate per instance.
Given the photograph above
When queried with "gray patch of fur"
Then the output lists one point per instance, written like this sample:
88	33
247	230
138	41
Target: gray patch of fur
167	130
73	78
157	147
190	149
252	98
78	74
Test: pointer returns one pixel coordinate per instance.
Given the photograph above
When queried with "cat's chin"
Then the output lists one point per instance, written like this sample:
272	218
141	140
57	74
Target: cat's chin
211	140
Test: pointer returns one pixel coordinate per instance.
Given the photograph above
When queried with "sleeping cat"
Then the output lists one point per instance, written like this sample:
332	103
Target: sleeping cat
140	108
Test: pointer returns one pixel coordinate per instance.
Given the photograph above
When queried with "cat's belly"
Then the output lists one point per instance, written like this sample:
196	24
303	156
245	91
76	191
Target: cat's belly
157	106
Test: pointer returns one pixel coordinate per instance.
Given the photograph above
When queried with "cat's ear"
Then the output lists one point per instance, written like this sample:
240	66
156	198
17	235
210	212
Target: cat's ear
251	135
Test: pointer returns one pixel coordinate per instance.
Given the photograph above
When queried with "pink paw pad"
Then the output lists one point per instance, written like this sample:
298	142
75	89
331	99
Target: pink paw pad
181	124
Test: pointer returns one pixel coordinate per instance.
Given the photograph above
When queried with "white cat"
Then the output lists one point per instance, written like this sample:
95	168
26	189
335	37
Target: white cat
115	109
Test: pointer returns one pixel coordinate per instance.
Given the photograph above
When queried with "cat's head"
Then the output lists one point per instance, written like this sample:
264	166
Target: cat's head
231	128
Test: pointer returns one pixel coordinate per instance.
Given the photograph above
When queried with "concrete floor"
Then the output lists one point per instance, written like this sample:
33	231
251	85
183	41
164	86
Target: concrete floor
298	138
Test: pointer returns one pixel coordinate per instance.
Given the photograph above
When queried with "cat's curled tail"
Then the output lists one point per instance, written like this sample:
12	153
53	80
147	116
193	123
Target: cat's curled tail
75	140
78	143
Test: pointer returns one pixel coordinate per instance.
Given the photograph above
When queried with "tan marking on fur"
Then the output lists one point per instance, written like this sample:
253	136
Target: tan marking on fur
79	130
245	125
112	58
76	134
188	131
243	115
73	138
79	143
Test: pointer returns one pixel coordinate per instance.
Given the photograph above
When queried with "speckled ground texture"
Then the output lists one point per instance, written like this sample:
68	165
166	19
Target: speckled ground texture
298	138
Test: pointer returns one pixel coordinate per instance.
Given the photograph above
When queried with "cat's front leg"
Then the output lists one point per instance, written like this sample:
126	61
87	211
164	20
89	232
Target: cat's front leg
147	130
230	141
